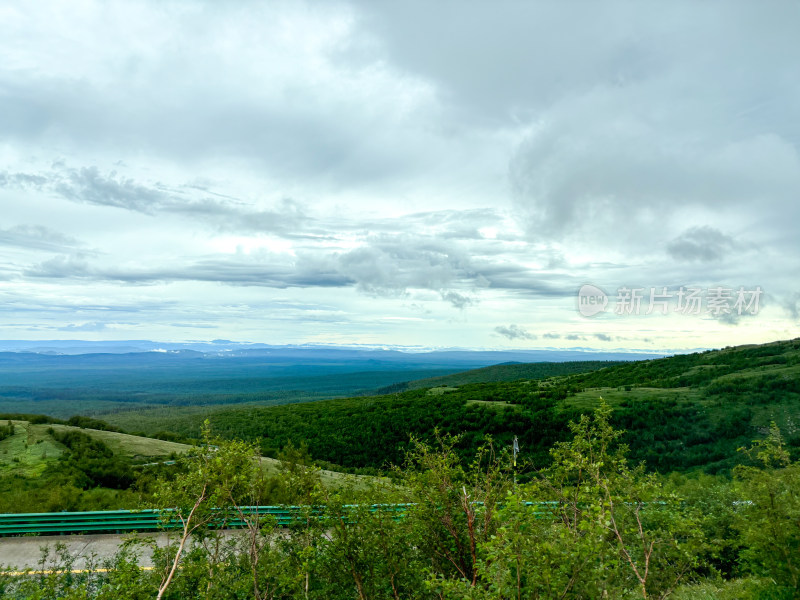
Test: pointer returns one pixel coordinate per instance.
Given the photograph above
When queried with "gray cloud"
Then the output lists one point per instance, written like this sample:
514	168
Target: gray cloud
792	305
288	218
254	102
61	266
392	263
459	301
445	224
603	337
37	237
514	332
701	244
386	265
259	270
453	257
514	35
89	326
88	185
622	161
183	324
728	318
568	187
21	180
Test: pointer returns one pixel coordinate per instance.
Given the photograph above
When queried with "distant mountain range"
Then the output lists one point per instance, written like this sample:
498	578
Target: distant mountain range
64	378
388	353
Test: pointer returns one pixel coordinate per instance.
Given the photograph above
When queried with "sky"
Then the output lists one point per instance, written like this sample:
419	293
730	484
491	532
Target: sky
421	174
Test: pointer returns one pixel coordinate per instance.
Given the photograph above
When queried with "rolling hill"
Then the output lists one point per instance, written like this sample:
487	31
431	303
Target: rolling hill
50	466
687	412
508	372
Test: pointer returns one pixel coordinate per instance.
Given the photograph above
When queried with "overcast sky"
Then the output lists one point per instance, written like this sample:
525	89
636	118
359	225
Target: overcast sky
426	174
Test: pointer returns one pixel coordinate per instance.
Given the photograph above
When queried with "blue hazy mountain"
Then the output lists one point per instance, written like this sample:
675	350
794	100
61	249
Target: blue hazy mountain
71	377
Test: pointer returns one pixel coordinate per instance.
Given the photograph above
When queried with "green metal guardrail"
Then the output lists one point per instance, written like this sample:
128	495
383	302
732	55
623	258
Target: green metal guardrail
153	520
122	521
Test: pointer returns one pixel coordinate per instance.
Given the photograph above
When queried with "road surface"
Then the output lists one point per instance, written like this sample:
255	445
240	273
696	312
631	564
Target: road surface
19	553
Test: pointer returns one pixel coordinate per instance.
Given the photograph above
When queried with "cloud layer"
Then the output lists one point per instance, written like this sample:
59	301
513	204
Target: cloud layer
396	173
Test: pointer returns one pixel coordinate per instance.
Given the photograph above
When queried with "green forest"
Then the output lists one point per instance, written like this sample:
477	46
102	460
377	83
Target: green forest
683	413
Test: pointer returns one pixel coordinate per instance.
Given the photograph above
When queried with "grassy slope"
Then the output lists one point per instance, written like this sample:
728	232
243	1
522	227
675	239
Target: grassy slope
28	451
133	446
509	372
765	377
34	448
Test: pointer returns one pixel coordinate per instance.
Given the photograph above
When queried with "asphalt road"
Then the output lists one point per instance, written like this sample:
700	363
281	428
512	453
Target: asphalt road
19	553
